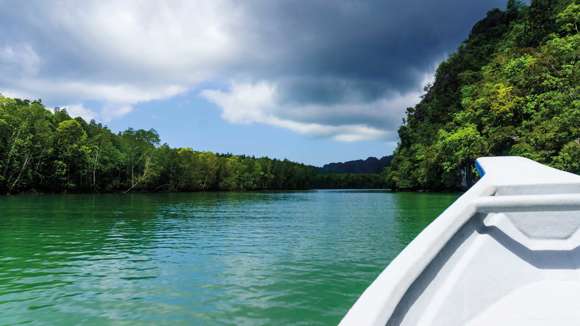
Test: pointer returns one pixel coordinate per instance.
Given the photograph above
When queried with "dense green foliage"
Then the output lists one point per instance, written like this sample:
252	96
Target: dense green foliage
349	181
46	151
511	89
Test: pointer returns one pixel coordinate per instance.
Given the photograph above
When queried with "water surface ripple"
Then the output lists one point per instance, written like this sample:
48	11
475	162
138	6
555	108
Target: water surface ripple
200	259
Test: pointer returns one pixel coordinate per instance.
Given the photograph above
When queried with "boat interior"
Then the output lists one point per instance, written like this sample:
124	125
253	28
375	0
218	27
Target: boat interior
515	262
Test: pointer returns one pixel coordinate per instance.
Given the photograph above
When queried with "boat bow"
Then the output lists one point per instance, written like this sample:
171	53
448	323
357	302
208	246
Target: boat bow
510	189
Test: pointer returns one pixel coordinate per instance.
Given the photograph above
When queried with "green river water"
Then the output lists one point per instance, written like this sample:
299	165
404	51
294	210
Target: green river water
272	258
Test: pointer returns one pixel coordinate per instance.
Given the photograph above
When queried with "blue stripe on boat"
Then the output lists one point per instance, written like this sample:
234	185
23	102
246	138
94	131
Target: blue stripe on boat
479	169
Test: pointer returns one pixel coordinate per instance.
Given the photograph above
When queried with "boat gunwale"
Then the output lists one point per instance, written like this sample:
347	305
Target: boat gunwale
379	301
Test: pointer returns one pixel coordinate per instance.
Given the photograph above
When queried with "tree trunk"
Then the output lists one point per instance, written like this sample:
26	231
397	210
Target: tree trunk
95	163
20	173
132	172
15	136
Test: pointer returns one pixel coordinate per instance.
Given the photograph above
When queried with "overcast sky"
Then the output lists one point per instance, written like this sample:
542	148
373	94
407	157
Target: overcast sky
313	81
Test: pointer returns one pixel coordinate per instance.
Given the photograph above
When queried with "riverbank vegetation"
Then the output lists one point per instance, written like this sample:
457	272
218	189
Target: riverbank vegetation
45	150
512	88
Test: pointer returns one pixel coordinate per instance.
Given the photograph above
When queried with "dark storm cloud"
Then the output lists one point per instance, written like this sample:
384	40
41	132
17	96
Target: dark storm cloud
324	51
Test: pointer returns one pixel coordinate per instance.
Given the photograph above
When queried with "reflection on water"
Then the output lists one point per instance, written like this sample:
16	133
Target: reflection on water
205	258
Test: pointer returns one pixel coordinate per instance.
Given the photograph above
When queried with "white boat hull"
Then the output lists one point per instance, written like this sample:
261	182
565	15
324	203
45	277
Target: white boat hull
505	253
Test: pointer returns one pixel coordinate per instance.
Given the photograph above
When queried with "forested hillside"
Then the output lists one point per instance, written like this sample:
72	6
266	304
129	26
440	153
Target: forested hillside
512	88
48	151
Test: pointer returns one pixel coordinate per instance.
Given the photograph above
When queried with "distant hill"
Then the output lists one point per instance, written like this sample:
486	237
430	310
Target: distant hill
370	165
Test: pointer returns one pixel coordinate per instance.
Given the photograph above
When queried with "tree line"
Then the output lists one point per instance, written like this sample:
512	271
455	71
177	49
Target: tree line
512	88
45	150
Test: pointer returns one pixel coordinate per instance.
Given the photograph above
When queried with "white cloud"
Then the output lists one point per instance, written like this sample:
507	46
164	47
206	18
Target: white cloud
113	52
77	110
106	114
111	112
18	60
261	103
245	103
177	39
